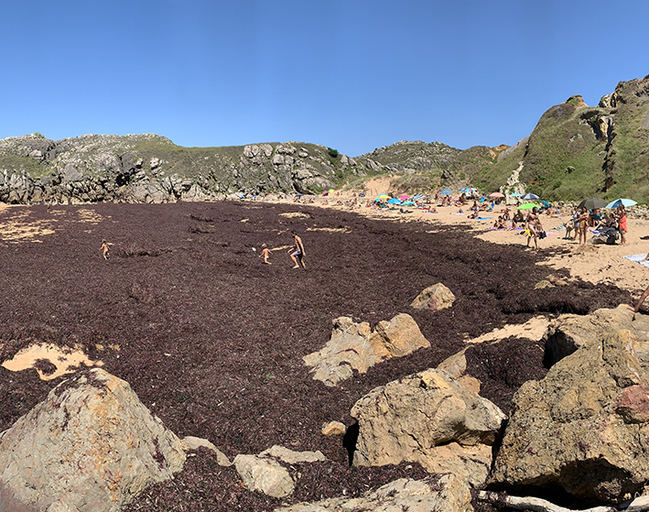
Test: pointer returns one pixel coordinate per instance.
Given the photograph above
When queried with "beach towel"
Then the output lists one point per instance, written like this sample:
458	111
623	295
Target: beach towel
559	228
551	233
637	258
483	218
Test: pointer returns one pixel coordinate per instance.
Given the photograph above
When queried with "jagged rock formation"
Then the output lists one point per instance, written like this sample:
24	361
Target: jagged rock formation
94	422
430	418
444	493
150	168
582	429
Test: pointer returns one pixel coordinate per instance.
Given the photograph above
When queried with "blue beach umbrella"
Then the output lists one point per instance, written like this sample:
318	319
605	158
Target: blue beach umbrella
530	196
446	192
623	202
545	203
515	194
394	201
408	203
418	196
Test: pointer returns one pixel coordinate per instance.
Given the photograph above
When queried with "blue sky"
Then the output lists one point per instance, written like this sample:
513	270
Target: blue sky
353	75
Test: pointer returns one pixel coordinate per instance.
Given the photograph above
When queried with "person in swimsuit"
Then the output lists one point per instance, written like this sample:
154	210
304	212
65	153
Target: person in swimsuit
105	249
621	221
265	254
582	229
531	226
297	252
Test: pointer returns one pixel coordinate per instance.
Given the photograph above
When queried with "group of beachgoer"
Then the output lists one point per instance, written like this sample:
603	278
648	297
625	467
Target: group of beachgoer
613	222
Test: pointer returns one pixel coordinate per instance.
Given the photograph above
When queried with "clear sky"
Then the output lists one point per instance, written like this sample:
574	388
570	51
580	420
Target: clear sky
353	75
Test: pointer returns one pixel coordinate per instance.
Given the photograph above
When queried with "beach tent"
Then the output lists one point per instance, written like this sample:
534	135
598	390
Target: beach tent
394	201
446	192
592	203
622	202
403	197
527	206
530	196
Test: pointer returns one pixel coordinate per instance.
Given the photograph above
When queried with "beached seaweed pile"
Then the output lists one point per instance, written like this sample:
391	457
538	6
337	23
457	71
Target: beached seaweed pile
212	340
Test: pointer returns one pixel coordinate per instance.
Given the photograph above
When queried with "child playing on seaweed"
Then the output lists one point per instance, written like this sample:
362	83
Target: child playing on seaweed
105	249
265	254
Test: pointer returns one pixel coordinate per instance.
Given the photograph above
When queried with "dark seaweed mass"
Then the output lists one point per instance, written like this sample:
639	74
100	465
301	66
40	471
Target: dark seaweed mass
212	340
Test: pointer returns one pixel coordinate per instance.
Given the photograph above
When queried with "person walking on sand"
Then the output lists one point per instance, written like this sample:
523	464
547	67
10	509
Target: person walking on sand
265	254
531	223
105	249
621	222
297	252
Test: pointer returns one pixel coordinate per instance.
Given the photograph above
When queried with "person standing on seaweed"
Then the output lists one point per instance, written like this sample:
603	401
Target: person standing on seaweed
105	249
265	254
297	252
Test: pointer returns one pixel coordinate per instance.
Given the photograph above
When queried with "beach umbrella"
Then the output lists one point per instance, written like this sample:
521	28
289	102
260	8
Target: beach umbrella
527	206
592	203
394	201
545	203
529	196
408	203
403	197
418	196
384	196
299	194
496	195
515	194
446	192
621	202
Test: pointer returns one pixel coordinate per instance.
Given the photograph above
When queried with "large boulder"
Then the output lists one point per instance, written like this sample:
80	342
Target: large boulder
354	346
434	297
583	428
423	416
397	338
571	332
445	493
90	445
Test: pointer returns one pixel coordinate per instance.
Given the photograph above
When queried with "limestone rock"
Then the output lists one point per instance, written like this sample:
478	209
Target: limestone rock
265	475
353	346
347	350
397	338
435	297
194	443
407	420
445	493
94	422
334	428
455	366
571	332
292	457
583	428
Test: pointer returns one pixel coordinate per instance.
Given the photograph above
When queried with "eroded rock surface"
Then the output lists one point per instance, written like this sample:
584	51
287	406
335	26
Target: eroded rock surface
434	494
422	416
355	347
583	428
94	422
571	332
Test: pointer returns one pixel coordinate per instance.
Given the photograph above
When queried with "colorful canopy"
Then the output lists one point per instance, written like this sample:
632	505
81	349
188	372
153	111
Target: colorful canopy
403	197
621	202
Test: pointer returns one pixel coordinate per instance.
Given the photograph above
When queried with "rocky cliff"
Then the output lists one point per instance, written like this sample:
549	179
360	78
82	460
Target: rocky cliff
151	168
